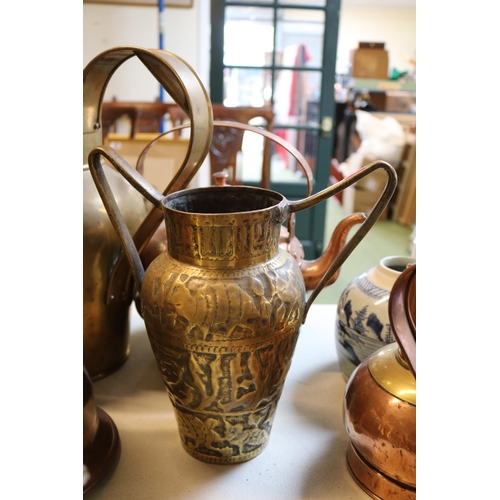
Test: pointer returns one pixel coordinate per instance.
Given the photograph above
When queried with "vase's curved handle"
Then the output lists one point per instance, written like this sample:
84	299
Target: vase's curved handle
402	315
186	88
304	165
373	216
109	202
242	126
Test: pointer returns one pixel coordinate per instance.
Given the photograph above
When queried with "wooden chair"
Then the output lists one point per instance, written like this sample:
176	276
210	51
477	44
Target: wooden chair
228	141
145	117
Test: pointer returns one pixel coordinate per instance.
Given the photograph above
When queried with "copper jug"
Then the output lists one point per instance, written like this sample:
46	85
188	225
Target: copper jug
380	405
224	305
107	289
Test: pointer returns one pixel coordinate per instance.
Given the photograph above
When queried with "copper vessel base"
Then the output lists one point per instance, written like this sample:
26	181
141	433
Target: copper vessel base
374	483
104	450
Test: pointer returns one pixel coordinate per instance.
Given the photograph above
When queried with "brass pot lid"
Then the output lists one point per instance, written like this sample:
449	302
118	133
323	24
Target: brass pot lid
390	371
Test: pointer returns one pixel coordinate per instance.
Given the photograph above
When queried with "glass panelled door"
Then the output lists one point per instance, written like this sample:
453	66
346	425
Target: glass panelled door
281	54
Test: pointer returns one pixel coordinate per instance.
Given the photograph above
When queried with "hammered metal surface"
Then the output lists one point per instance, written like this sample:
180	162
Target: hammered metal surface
224	341
381	427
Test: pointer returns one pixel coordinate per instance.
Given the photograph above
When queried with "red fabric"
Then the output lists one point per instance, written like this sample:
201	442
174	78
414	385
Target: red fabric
301	57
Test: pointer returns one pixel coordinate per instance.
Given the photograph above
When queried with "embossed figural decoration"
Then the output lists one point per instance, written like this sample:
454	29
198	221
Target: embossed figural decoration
224	304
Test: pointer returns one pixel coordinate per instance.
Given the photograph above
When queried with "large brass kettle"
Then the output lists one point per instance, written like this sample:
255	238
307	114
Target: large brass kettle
105	312
380	405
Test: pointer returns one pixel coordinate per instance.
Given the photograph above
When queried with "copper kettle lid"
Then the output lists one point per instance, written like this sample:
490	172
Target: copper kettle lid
391	371
394	367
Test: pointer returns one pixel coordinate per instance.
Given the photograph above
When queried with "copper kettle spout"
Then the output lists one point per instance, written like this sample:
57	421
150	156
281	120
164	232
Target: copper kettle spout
314	270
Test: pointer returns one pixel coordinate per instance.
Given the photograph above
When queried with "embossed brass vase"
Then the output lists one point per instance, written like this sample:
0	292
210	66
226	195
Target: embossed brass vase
224	305
380	405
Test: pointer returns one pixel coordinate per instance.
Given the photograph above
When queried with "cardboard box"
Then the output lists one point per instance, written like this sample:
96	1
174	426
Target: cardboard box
370	60
400	101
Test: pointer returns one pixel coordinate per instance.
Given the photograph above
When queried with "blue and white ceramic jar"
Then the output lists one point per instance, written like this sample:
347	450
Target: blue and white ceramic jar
362	325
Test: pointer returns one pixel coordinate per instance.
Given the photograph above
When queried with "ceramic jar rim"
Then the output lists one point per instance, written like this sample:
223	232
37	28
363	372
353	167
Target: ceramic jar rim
396	260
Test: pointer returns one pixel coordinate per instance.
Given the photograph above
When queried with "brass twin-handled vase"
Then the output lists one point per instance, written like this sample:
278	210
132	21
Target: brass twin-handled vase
224	305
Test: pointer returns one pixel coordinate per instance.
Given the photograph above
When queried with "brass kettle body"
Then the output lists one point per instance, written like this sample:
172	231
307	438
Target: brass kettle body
380	405
224	305
105	326
107	291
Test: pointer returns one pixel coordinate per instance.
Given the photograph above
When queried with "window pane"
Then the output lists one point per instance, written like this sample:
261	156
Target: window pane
300	27
284	167
307	3
248	36
296	97
255	1
247	87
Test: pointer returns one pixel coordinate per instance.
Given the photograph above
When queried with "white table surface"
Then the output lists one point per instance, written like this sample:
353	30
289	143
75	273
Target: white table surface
304	459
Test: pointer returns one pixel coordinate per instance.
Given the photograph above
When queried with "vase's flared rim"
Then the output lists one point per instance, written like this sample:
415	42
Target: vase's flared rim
215	200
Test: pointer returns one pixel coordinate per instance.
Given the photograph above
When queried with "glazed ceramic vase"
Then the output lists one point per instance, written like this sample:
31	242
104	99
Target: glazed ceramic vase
362	325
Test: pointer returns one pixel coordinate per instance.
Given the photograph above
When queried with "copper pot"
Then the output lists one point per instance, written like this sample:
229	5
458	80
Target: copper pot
101	441
380	405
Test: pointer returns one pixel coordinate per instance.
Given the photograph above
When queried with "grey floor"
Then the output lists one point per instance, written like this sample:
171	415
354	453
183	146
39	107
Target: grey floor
384	239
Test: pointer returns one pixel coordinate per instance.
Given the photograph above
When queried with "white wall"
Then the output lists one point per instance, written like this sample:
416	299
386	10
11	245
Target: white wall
187	34
107	26
396	27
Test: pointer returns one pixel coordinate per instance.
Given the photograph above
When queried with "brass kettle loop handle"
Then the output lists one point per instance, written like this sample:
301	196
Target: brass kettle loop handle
109	202
402	315
242	126
373	216
176	76
187	90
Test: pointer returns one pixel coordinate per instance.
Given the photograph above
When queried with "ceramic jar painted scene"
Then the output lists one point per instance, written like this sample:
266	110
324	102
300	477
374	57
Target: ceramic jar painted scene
362	325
